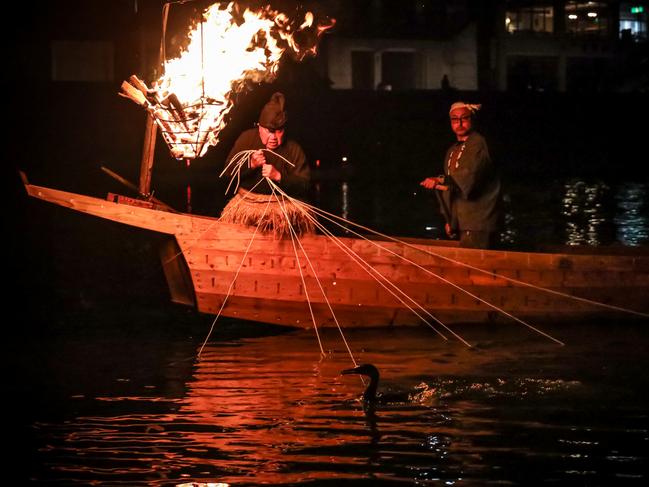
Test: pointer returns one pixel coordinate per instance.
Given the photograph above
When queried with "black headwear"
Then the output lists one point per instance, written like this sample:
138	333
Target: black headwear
273	115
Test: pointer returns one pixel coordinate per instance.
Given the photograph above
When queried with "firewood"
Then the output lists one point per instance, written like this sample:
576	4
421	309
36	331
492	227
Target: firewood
139	84
129	91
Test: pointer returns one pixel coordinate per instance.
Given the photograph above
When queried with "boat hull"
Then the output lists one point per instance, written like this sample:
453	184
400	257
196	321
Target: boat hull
235	271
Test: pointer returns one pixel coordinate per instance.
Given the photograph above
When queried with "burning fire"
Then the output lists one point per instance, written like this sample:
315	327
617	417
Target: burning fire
226	49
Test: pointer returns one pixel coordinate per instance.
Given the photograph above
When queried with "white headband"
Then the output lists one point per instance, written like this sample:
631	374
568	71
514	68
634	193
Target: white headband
460	104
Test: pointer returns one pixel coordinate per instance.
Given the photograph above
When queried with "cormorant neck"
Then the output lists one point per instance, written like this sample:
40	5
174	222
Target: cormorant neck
370	392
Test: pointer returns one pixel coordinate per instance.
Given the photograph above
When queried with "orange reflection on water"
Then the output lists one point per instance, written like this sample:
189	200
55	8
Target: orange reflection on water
269	410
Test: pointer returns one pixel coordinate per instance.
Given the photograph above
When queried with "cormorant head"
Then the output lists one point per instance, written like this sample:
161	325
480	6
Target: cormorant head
370	371
367	370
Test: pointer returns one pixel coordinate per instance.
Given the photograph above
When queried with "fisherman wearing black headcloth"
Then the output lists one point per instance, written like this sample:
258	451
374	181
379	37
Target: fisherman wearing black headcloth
469	191
277	165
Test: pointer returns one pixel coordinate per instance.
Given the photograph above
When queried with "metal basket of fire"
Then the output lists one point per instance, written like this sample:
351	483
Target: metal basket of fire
188	129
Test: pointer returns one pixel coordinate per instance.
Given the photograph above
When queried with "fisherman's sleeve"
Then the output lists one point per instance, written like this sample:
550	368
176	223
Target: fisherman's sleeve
296	179
468	177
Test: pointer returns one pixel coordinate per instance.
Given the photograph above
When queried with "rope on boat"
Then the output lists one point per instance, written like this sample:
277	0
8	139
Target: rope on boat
460	288
245	209
199	238
306	292
369	269
245	155
539	288
483	271
243	158
293	238
227	295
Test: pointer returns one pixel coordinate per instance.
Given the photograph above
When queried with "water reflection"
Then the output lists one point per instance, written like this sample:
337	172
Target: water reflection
572	212
632	215
585	212
344	204
269	411
510	234
596	213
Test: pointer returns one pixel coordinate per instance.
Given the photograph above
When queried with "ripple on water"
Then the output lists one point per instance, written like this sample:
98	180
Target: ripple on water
271	411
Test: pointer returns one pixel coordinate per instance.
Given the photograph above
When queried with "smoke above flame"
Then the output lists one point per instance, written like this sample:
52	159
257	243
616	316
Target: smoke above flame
228	49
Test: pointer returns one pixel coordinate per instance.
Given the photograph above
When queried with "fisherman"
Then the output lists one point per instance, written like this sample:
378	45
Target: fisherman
276	166
469	191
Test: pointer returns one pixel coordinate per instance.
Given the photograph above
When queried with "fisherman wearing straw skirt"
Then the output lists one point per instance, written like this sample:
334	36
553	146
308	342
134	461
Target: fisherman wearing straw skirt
271	171
469	191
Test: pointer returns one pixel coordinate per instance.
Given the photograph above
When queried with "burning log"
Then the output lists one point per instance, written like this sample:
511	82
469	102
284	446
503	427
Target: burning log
173	104
131	92
139	84
168	113
137	90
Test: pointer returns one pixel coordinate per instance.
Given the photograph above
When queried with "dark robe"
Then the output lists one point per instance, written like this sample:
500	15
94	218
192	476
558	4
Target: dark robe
473	201
295	179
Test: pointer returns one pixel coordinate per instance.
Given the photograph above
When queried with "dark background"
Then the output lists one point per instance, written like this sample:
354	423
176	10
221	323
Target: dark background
61	132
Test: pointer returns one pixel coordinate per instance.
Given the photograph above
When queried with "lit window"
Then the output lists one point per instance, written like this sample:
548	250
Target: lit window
633	21
587	18
536	18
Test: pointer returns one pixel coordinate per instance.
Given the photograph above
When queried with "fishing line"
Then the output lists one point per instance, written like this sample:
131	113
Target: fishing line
200	237
531	327
489	273
364	265
241	158
299	265
383	280
232	284
324	295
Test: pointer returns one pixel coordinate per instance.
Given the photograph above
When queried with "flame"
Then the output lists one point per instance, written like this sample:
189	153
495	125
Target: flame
226	50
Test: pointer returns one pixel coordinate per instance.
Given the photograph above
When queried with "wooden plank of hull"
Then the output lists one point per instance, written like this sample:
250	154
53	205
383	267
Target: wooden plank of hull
297	314
270	288
228	239
434	296
270	271
265	265
158	221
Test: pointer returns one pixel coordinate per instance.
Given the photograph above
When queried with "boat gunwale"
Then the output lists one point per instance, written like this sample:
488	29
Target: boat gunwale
173	224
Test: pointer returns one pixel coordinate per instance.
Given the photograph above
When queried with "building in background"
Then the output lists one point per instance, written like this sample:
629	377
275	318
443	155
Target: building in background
559	45
488	45
510	45
405	45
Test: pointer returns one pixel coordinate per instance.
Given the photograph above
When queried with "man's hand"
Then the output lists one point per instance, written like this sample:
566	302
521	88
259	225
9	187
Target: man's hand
269	171
258	159
430	183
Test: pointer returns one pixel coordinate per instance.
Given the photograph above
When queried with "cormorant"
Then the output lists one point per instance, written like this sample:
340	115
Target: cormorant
368	370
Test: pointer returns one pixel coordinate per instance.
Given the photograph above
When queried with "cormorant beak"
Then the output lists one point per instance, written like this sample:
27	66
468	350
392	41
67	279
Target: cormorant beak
349	371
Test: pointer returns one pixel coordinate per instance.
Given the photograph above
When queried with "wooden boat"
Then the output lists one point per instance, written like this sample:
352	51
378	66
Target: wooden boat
233	271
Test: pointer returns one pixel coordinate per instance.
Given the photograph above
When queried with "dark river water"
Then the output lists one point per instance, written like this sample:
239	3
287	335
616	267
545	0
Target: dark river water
107	386
550	212
126	408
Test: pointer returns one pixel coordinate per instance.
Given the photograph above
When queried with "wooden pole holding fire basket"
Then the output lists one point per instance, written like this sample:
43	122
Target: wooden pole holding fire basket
148	153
